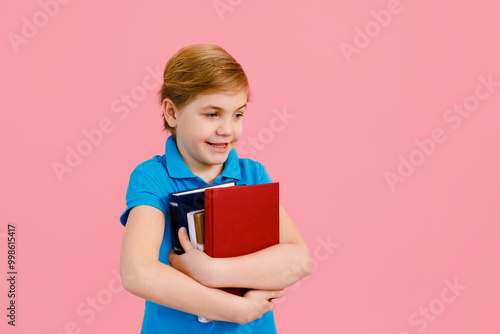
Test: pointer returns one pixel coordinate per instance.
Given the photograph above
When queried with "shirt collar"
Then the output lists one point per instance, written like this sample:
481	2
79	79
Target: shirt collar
178	169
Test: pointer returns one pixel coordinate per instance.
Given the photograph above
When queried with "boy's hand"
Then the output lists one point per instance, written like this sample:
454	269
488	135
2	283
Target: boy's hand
258	302
194	263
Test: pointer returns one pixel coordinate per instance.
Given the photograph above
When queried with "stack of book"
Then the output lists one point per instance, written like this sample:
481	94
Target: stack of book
226	220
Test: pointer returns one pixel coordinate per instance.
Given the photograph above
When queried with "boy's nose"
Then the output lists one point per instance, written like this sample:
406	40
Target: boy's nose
225	128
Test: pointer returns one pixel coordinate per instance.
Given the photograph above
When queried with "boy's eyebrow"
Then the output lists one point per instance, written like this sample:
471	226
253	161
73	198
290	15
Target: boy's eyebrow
219	108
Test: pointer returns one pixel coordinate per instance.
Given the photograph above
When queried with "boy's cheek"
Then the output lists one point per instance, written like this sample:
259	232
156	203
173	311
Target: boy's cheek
237	133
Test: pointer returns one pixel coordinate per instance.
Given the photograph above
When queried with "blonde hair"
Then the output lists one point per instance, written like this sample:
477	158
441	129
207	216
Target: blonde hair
200	69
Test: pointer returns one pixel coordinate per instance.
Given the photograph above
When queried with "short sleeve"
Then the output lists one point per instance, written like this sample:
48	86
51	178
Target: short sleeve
143	190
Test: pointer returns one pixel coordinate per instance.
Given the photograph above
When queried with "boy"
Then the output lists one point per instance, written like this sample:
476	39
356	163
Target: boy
203	98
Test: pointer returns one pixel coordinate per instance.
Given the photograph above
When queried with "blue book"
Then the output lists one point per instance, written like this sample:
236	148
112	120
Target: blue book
183	202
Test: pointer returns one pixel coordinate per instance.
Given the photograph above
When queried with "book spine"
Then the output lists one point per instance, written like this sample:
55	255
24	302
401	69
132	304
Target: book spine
208	223
192	230
174	224
199	223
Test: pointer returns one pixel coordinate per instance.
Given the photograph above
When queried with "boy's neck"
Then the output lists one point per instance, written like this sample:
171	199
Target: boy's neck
206	172
209	176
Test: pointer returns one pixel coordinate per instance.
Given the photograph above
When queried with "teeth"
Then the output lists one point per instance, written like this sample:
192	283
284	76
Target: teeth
219	145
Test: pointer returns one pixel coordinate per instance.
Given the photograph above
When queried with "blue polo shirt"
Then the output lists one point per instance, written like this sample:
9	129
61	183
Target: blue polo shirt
150	183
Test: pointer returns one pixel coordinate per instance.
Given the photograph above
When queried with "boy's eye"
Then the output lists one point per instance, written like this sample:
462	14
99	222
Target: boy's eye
212	115
238	115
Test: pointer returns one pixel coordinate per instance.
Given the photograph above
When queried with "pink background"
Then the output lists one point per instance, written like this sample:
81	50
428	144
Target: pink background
383	255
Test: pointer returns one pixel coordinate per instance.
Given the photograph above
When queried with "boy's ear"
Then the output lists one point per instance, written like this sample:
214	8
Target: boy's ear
169	112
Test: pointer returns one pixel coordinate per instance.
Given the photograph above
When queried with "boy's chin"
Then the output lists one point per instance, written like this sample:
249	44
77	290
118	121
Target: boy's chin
216	159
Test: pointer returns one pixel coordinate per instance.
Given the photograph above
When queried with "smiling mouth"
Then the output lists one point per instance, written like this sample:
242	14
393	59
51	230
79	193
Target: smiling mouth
218	145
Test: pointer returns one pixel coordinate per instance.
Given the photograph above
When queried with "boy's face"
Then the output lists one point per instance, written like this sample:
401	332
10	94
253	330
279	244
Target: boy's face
208	128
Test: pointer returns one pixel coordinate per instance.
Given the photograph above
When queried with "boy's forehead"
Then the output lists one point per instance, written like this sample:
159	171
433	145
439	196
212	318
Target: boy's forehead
221	100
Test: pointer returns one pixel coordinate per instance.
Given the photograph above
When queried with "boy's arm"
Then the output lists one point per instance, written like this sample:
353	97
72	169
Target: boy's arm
143	275
275	267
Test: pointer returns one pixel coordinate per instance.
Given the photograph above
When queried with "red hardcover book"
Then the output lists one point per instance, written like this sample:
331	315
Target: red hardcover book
241	220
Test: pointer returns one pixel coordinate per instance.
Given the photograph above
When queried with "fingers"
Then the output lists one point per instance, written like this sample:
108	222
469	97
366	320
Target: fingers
184	239
185	243
276	294
262	301
270	306
266	294
171	256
